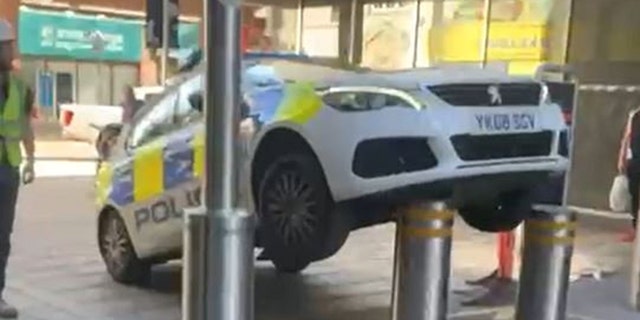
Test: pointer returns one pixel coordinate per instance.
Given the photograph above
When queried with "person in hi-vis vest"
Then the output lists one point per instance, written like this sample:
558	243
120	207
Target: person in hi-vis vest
16	101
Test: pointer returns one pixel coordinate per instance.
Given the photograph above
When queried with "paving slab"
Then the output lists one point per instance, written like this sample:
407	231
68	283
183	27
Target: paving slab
56	272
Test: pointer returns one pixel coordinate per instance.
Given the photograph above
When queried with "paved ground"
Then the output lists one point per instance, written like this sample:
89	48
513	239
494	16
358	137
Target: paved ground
55	272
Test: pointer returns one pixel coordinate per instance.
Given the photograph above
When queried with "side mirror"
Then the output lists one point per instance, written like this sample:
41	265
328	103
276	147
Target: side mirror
195	99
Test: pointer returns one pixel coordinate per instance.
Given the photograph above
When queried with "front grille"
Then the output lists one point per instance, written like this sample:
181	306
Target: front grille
488	147
471	95
388	156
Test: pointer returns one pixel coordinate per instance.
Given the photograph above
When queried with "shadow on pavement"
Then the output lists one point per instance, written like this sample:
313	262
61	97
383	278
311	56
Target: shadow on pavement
284	297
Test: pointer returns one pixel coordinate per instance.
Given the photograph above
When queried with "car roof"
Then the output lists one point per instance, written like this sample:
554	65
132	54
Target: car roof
331	76
327	75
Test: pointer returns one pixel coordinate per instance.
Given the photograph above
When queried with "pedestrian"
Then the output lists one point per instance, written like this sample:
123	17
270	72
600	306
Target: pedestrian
629	165
130	105
16	101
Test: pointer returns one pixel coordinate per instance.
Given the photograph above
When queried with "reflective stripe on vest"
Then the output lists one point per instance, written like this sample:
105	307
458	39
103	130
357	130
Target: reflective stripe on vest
12	122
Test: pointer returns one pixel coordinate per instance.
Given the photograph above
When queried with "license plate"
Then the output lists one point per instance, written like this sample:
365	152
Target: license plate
505	122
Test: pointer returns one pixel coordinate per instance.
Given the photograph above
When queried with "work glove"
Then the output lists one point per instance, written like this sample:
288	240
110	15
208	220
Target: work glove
28	174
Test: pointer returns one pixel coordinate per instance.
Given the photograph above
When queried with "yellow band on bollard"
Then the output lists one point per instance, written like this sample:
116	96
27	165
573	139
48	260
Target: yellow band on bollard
550	240
417	214
425	232
552	225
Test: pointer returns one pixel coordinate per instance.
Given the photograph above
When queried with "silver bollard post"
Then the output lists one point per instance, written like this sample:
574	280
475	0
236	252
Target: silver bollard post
634	297
546	264
425	262
229	276
396	268
194	263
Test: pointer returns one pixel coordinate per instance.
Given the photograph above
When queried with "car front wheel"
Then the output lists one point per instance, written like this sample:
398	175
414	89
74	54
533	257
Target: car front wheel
118	254
298	222
502	215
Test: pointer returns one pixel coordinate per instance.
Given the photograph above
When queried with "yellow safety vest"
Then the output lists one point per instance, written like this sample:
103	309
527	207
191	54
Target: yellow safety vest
12	122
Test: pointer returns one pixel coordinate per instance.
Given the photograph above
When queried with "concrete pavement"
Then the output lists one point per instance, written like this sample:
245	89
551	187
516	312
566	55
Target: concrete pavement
55	271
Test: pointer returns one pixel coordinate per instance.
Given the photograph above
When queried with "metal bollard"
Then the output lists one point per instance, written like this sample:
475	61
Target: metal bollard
425	262
546	264
194	264
634	297
396	267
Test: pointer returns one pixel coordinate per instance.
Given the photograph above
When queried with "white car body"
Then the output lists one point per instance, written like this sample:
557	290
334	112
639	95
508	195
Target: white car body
334	135
400	105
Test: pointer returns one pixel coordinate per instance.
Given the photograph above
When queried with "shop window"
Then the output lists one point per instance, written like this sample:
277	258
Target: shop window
335	13
387	35
522	33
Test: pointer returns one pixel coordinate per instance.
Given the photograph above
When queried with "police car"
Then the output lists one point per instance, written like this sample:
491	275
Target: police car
327	151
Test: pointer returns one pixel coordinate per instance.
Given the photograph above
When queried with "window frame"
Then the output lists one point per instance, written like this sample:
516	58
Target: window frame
143	113
170	95
196	82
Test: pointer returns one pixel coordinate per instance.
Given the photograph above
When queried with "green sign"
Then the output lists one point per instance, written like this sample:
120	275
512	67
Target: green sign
79	36
188	35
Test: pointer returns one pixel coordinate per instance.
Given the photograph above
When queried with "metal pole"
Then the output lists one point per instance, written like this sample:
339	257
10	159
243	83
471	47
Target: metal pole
544	275
299	26
416	34
230	253
484	50
396	268
425	262
165	41
194	266
568	73
352	31
572	134
205	32
634	297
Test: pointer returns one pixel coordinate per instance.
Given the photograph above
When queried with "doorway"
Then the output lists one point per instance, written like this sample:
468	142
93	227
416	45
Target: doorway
63	89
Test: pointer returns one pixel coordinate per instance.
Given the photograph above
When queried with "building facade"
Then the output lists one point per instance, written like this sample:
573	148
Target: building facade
87	51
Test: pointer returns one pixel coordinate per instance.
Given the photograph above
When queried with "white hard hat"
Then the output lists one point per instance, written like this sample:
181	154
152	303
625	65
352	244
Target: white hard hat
6	31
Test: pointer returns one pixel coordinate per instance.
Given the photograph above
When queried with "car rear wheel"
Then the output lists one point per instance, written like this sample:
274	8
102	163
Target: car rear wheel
118	254
299	222
504	214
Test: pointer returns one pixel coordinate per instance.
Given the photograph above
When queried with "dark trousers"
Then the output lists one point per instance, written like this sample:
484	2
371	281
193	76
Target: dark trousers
633	175
9	184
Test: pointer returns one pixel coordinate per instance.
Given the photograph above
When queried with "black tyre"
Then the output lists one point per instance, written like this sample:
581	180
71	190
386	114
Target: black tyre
118	254
298	222
504	214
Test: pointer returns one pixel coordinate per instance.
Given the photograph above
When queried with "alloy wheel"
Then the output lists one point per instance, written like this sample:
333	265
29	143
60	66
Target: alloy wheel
291	206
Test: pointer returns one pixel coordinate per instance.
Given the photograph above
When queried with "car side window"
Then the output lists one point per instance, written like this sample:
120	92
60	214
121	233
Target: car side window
190	101
159	121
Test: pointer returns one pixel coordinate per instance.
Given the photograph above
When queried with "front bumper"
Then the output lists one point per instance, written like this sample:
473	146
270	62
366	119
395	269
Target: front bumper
458	191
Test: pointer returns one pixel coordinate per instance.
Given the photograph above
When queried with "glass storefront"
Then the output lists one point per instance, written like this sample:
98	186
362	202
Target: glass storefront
521	33
388	37
391	35
267	28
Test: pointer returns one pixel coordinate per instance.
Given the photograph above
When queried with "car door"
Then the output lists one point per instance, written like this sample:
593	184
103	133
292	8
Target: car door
154	218
184	151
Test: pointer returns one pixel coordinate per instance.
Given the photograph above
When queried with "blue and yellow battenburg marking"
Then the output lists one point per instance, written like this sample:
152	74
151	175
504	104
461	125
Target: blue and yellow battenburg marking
299	105
159	166
297	102
167	163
